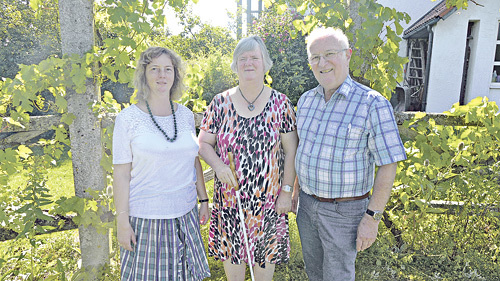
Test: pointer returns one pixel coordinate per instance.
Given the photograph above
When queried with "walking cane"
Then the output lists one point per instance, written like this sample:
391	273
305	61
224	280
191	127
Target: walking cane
240	211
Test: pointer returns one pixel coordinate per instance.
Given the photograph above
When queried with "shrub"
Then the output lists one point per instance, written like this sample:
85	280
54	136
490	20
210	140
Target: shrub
217	74
460	166
290	73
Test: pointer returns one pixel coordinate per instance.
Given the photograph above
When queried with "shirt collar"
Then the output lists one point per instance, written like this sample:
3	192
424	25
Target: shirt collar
344	88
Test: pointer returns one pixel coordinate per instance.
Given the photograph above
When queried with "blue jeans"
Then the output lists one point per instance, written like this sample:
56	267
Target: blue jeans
328	234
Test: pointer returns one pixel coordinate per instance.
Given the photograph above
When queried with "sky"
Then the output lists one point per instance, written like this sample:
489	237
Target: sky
213	12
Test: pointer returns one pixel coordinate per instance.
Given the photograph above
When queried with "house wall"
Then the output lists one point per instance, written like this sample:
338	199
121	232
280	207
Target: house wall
448	52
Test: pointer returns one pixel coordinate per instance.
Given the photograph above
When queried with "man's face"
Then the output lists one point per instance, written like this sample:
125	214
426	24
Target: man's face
329	62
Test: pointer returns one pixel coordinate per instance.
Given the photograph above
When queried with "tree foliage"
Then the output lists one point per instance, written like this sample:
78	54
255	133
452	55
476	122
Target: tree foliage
199	39
290	73
217	74
27	36
373	31
460	166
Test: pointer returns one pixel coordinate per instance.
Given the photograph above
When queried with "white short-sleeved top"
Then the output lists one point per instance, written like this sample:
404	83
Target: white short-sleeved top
163	176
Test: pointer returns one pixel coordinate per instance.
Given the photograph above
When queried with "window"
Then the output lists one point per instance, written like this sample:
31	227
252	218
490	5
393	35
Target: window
496	63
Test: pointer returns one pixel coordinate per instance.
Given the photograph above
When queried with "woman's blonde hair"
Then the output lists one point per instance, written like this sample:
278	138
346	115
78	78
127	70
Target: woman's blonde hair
140	82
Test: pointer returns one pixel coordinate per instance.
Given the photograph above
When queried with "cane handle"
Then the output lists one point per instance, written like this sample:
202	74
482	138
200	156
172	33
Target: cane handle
233	169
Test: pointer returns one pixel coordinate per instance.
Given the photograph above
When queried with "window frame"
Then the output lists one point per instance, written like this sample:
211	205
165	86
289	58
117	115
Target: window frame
496	63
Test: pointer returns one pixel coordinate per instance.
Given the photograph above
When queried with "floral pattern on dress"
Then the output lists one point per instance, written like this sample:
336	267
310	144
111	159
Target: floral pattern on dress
259	160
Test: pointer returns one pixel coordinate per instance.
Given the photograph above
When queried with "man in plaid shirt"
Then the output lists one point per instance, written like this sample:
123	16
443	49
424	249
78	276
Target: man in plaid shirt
345	129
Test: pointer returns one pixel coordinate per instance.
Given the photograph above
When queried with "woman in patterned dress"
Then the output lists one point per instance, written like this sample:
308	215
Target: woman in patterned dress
258	124
157	178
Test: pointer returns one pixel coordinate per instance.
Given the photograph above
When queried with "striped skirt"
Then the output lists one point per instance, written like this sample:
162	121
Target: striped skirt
166	249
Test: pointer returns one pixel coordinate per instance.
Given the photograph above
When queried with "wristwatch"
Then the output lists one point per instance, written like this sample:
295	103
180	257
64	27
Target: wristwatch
377	215
286	188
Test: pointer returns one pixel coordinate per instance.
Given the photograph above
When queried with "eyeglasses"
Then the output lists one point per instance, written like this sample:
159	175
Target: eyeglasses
327	56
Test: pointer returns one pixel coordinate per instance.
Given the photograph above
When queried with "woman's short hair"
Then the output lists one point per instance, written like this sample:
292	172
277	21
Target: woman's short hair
249	44
140	82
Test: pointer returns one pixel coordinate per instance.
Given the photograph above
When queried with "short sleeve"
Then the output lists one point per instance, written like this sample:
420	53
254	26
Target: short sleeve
191	122
122	150
384	142
288	120
211	118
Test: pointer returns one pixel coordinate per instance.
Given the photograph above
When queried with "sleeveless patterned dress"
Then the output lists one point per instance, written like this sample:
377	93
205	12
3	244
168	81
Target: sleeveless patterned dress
259	158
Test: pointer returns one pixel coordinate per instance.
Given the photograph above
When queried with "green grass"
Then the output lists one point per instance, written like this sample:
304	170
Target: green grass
59	180
15	256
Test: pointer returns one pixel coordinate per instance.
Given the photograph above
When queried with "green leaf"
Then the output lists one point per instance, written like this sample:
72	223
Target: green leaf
68	118
34	4
24	151
420	203
61	103
40	215
403	197
436	210
399	28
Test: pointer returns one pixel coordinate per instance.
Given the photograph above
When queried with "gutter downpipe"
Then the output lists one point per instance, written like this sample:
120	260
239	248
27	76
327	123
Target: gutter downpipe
428	65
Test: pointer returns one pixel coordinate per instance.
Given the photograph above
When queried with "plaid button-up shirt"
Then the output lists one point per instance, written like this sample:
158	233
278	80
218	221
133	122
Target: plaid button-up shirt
341	141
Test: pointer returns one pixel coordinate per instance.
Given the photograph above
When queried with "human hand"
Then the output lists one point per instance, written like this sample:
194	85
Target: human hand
125	234
284	202
204	213
225	175
367	233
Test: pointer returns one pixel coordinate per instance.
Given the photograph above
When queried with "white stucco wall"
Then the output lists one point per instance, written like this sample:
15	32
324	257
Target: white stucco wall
447	61
448	53
479	83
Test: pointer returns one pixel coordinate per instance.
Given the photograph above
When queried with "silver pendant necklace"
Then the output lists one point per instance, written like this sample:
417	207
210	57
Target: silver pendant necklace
251	107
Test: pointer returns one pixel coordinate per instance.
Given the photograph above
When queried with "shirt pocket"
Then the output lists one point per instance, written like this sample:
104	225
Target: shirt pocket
355	136
356	142
347	141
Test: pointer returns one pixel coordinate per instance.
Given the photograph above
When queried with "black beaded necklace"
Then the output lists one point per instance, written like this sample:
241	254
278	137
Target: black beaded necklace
158	126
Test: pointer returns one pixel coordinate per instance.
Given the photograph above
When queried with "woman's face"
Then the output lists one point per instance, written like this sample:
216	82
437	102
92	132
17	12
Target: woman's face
160	75
251	65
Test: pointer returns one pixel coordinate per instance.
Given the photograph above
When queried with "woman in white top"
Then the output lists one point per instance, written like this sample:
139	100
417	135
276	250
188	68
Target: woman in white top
158	177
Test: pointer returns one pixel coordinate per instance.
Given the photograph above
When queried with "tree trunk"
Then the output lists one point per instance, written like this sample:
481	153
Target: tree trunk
357	24
77	36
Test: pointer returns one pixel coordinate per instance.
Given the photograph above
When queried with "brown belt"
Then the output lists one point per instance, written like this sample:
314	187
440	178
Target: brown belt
343	199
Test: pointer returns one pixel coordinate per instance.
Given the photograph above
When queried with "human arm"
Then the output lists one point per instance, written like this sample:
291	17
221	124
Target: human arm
202	192
289	142
121	187
207	152
382	187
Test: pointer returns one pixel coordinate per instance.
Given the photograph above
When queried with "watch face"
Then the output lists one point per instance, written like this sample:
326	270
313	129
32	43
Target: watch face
377	215
286	188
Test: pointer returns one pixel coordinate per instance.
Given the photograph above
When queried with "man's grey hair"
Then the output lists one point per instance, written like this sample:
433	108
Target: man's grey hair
249	44
320	32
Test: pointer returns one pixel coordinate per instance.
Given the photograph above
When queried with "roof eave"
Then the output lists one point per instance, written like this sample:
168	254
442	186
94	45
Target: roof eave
416	33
